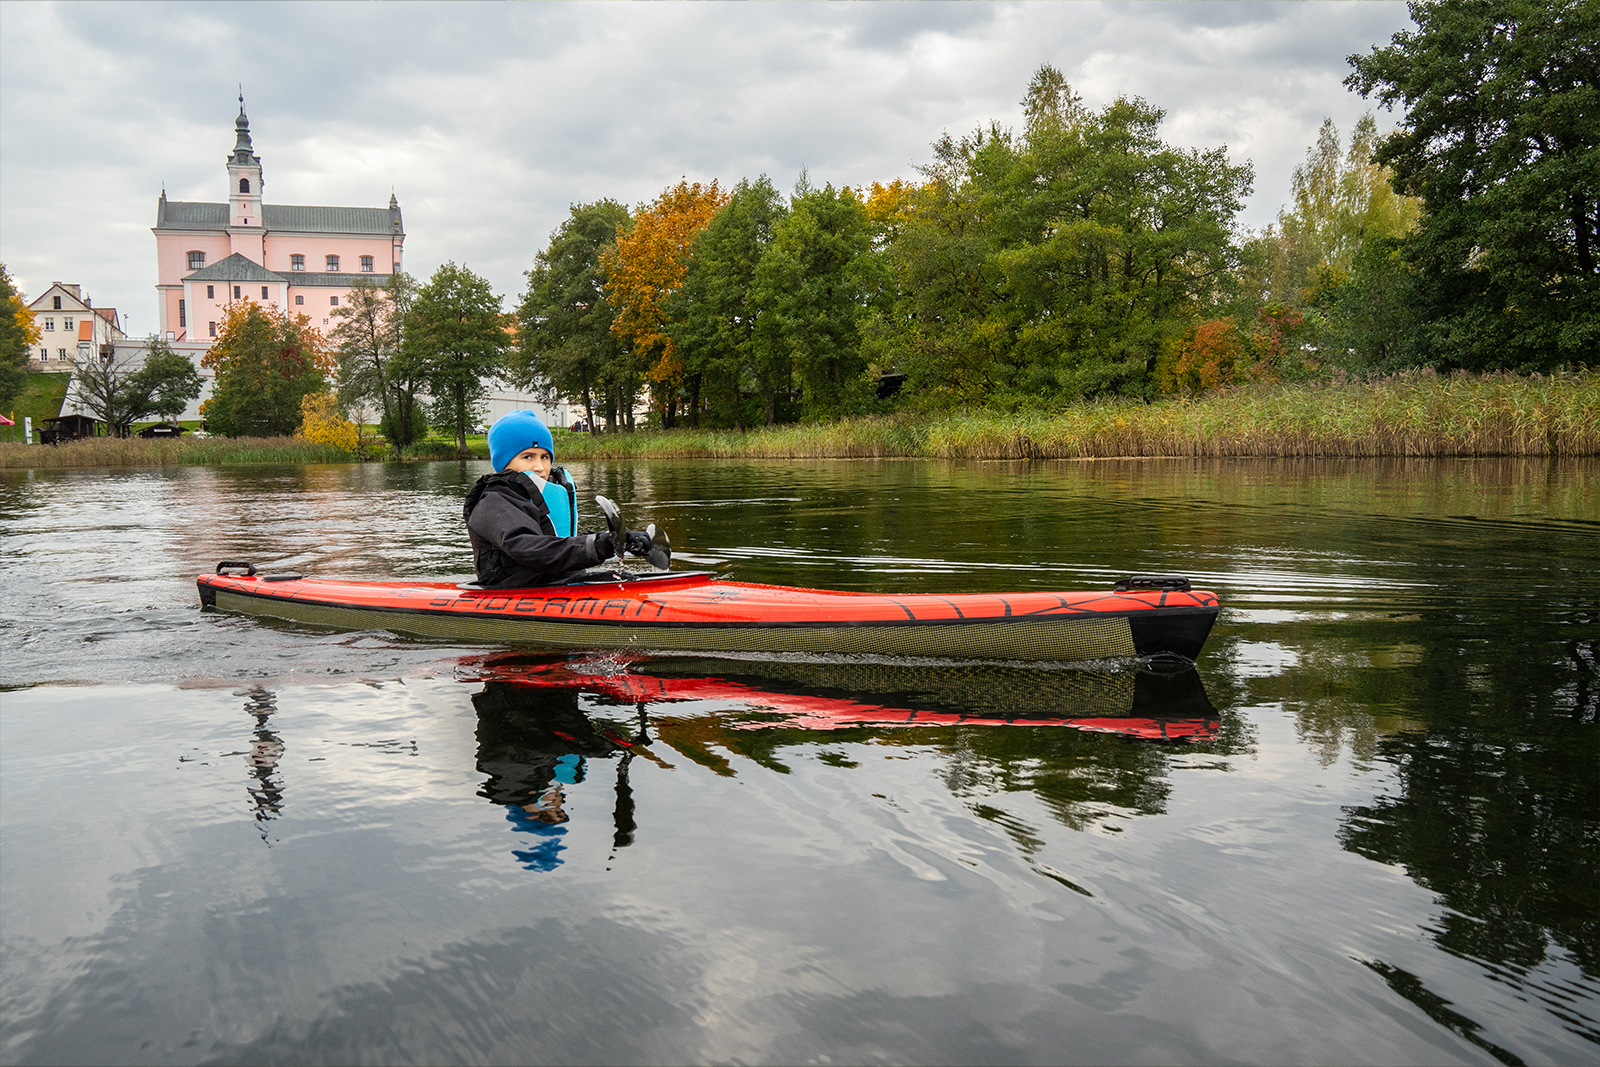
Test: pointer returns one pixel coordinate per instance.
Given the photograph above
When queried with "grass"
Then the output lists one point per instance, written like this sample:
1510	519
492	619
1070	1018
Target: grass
1412	414
40	399
166	452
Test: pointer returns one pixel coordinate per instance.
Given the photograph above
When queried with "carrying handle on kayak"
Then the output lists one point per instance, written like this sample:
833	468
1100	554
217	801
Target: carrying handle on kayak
1165	583
236	564
619	533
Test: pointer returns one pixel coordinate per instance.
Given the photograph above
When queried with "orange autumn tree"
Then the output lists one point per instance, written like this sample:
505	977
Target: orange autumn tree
645	267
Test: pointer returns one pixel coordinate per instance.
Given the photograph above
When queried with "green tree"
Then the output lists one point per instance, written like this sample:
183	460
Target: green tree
715	313
809	297
1114	239
565	342
1059	264
17	332
457	337
266	362
370	335
1501	140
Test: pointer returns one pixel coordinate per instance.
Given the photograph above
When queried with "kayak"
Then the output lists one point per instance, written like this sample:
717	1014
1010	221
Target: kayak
1147	617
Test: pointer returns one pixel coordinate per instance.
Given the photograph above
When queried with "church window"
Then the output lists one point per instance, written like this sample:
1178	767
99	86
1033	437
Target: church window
297	262
244	185
50	324
66	322
197	260
397	268
44	354
299	300
366	264
333	263
57	306
333	301
236	293
213	328
61	354
211	292
182	319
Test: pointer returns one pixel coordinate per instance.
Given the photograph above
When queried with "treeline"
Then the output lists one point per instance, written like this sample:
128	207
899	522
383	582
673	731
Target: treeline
1082	256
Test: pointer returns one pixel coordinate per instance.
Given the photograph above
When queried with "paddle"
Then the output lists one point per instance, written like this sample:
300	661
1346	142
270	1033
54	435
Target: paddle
660	553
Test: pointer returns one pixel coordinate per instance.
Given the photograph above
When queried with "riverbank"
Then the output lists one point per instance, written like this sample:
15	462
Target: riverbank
167	452
1417	414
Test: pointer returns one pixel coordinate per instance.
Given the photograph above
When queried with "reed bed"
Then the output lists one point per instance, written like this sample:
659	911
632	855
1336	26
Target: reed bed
1413	414
1418	414
159	452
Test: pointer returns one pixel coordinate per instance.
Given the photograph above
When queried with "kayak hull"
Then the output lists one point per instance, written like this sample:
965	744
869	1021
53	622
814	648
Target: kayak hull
695	613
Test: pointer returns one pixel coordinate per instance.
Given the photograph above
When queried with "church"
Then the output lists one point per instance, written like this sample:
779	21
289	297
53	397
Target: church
303	259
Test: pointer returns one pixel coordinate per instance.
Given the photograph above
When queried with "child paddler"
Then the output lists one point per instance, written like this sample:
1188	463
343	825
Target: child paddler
522	519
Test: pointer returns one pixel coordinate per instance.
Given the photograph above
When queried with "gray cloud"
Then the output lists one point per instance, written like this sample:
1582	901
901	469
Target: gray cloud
489	119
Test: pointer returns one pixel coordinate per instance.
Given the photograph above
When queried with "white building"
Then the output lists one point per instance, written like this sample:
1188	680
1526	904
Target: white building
70	329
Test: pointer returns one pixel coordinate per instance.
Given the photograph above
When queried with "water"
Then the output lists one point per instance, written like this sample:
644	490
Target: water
1369	835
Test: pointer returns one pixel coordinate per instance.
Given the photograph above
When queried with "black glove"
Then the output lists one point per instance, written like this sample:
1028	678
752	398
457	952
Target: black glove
603	545
638	542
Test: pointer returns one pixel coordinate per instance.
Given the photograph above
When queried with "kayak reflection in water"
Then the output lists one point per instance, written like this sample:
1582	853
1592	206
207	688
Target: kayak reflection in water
533	744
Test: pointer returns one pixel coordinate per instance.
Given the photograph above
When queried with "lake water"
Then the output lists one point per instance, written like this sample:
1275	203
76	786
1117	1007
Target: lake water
1364	829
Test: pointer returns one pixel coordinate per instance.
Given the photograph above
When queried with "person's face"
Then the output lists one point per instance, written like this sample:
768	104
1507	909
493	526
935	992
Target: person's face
534	460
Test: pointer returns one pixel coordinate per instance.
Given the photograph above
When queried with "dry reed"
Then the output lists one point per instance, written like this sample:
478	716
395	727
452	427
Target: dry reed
167	452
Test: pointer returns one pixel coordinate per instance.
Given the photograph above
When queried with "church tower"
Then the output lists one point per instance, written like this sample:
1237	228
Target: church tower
244	177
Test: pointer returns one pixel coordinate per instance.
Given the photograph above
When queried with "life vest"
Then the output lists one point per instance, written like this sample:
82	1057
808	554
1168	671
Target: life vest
560	498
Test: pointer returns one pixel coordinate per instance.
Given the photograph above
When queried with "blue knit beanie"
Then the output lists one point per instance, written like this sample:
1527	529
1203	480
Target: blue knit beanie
514	432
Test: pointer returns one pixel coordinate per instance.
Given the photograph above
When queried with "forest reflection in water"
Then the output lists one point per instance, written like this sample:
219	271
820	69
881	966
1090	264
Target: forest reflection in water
1366	827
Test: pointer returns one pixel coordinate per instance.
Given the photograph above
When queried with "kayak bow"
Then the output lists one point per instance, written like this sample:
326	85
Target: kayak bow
1151	617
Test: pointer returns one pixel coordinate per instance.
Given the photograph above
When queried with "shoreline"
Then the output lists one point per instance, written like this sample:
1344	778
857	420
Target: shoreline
1414	415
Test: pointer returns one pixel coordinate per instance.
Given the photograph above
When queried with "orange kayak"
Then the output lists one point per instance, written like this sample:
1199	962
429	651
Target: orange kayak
1156	617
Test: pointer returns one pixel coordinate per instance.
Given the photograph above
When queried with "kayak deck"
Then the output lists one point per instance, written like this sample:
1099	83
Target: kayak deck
697	613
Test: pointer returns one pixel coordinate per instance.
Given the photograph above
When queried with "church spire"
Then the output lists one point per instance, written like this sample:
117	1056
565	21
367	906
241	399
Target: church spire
242	149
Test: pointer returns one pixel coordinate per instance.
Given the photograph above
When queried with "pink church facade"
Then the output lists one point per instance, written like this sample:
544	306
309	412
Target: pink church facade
302	259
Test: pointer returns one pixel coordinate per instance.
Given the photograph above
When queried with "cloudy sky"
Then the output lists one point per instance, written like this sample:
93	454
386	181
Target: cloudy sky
488	120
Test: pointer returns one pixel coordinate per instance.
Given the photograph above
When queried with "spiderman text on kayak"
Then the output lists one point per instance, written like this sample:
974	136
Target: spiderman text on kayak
523	519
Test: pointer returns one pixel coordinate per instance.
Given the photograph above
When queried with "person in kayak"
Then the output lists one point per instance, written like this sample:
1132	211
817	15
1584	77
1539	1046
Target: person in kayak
522	519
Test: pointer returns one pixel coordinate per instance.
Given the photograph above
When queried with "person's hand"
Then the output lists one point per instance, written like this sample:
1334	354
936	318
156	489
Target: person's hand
603	545
638	543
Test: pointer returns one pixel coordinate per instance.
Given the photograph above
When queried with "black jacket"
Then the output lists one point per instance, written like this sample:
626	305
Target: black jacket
514	543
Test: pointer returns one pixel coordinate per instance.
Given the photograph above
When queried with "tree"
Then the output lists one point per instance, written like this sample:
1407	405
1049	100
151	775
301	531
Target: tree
1058	264
17	333
643	269
564	340
715	313
266	361
373	370
456	336
121	392
1342	200
321	421
1501	141
809	298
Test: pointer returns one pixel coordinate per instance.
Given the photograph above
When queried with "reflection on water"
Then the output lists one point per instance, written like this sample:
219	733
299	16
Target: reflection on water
1365	828
266	749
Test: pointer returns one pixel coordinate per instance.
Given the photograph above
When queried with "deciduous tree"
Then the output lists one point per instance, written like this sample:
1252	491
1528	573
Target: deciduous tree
564	340
122	391
809	297
266	362
17	333
1501	140
715	313
644	268
457	337
373	370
